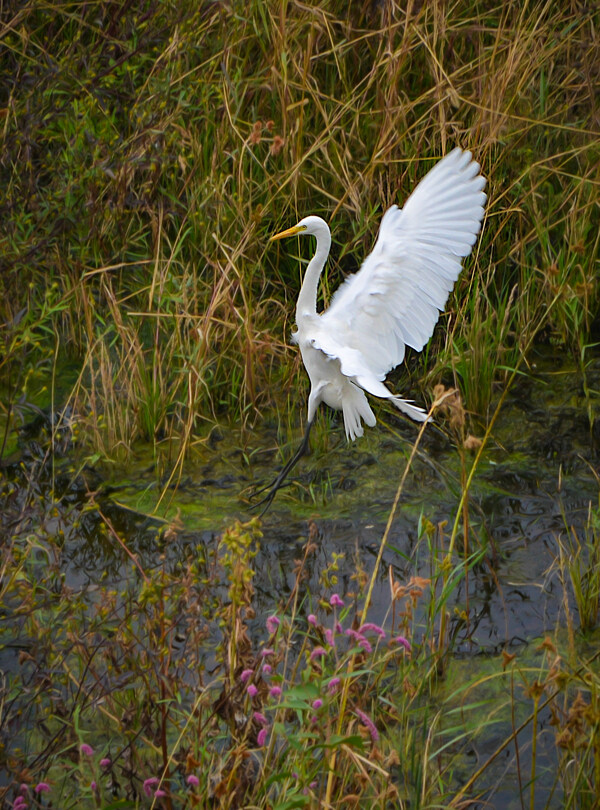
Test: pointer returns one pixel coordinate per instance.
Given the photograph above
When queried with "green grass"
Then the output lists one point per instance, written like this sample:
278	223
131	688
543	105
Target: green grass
149	153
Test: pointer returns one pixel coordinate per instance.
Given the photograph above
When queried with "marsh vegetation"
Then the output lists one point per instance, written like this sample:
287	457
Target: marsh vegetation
365	645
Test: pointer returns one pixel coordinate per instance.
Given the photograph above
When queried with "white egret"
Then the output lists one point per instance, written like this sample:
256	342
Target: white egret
393	301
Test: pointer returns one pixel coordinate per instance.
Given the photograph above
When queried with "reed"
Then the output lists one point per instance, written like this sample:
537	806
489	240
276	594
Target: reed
143	193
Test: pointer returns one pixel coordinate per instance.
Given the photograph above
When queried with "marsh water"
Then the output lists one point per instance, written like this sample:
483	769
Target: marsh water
536	484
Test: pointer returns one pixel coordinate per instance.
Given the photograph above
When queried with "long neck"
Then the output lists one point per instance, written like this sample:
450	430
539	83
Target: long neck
307	300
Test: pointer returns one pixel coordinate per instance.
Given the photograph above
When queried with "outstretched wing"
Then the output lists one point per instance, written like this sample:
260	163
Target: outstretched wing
395	299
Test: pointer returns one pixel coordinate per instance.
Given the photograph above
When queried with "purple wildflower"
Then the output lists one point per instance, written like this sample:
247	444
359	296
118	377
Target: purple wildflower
93	786
193	780
19	803
23	788
105	762
87	750
312	619
318	652
252	690
266	652
360	640
159	793
272	624
261	737
403	641
329	637
373	628
366	721
335	601
42	787
275	691
246	674
338	628
333	685
150	784
260	718
317	703
267	669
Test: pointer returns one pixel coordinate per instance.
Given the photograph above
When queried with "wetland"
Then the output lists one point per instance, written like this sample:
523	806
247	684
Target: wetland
414	621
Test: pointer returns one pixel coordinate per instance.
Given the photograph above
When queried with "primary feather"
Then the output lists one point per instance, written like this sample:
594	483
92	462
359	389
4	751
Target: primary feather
395	299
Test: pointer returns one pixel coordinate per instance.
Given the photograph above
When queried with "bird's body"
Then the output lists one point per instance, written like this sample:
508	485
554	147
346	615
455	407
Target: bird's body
393	301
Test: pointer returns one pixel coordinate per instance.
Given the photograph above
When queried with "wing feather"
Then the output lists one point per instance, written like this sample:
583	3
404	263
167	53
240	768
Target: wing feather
395	299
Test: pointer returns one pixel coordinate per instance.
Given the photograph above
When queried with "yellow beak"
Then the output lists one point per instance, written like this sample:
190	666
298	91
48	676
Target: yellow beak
290	232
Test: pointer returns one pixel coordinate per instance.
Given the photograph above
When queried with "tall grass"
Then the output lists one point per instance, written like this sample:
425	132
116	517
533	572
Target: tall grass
149	151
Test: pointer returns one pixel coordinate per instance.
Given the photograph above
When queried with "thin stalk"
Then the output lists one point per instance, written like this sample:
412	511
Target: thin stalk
538	691
382	545
488	432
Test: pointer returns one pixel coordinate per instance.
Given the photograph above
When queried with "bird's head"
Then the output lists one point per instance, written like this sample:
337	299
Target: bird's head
313	226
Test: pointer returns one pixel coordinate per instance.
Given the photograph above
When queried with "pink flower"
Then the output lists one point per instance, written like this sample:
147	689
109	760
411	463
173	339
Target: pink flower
312	619
261	737
246	674
193	780
318	652
267	669
403	641
359	639
159	793
366	721
275	691
150	784
335	601
42	787
329	637
252	690
93	786
272	624
374	628
338	628
260	718
317	703
333	685
266	652
19	803
105	762
87	750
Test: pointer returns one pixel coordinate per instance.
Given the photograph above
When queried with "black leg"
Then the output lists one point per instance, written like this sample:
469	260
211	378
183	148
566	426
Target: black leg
273	487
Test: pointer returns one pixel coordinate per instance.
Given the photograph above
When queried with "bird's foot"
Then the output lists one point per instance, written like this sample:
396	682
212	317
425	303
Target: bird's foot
271	490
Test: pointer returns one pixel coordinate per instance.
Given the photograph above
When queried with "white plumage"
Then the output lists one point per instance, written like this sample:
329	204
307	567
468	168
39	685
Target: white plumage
393	301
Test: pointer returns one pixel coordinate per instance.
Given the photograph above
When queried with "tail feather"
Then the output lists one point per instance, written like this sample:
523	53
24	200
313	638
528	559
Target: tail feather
416	413
378	389
354	407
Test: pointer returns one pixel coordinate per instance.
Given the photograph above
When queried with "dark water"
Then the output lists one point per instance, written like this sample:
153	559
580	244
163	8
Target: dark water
537	481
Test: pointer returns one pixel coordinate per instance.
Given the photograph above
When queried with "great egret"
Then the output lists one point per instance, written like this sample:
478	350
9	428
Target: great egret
393	301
